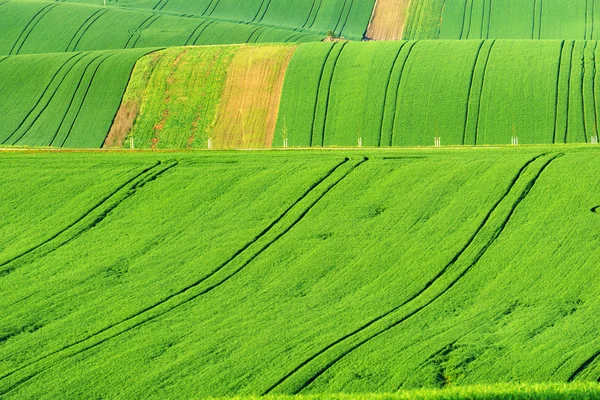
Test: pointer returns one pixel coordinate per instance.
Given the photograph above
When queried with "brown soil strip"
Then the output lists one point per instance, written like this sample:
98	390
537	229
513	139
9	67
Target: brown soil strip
250	102
389	19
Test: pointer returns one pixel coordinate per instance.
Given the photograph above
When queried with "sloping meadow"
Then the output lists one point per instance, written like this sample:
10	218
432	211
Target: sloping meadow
167	275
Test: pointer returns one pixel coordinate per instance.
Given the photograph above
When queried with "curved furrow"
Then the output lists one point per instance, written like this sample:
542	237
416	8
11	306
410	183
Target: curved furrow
482	239
16	48
76	39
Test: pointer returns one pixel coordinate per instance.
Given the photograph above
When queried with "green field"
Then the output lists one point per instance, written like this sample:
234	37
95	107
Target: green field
513	19
168	275
29	27
347	18
465	92
63	99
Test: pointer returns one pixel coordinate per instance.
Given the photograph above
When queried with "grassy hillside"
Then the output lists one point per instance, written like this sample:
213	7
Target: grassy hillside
465	92
347	18
31	27
219	274
184	97
62	100
487	19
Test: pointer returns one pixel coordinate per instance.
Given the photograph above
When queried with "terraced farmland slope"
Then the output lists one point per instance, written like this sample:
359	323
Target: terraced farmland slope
511	19
62	99
464	92
347	18
184	97
165	275
31	27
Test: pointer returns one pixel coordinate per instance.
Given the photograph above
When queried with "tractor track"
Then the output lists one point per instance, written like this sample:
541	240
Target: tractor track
145	318
494	235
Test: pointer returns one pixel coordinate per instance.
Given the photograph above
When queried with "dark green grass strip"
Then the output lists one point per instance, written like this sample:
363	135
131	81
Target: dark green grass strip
53	86
237	254
314	116
471	264
16	48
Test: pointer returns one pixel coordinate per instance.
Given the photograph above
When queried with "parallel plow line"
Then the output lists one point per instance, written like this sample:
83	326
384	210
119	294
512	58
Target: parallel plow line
483	238
389	88
328	98
480	91
293	215
321	74
399	93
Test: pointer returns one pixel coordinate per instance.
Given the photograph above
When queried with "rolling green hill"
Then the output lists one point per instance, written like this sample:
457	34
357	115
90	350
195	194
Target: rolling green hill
62	99
31	27
166	275
512	19
347	18
464	92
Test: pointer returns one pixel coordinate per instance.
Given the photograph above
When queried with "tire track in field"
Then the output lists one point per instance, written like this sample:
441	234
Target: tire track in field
469	93
485	69
16	48
584	102
399	92
297	380
160	5
88	65
328	98
594	88
83	99
334	30
568	101
278	228
137	33
470	13
53	86
87	24
266	4
213	4
318	10
321	74
347	18
89	219
489	25
387	90
557	103
197	32
312	7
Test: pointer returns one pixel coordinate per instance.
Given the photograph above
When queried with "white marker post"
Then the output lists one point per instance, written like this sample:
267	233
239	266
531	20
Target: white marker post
209	143
360	144
437	141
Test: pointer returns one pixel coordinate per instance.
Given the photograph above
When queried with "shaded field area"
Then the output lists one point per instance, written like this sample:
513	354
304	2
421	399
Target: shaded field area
462	92
346	18
515	19
30	27
168	275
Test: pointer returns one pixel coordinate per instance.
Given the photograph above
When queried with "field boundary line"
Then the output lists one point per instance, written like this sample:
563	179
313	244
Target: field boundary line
143	314
301	384
130	186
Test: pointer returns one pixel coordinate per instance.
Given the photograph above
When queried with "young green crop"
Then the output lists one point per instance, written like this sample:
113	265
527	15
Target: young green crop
220	274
